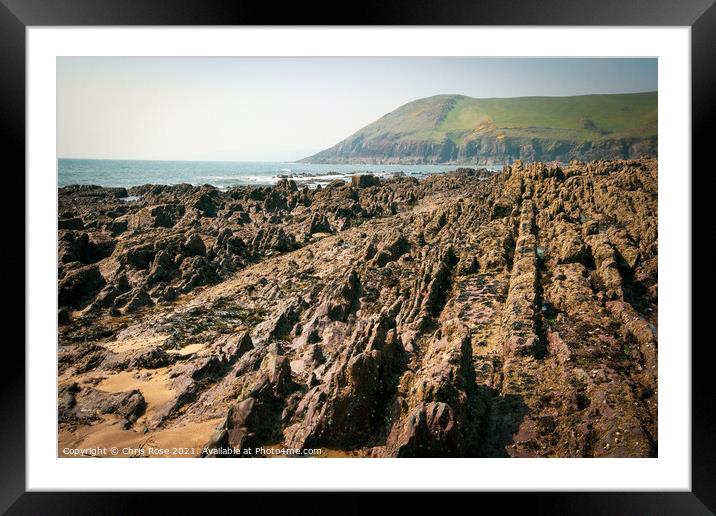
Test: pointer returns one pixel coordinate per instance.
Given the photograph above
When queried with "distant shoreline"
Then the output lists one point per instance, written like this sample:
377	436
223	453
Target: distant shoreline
130	173
300	182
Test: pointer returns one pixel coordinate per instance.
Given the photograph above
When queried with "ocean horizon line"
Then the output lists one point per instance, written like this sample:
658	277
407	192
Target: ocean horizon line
222	174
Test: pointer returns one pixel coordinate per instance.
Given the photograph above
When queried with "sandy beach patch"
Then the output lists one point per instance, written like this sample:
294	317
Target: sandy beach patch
154	385
107	440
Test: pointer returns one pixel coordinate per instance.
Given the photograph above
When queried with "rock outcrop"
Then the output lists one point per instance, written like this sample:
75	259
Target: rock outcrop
467	314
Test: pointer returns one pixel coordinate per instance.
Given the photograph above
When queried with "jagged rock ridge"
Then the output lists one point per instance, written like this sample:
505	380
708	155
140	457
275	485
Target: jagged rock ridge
468	314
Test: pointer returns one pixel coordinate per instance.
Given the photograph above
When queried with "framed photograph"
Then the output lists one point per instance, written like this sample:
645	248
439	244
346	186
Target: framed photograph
422	252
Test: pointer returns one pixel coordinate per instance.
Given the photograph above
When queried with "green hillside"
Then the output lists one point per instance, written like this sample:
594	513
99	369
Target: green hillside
595	120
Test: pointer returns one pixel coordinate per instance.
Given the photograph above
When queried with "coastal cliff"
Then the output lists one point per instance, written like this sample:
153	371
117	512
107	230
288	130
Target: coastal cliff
464	130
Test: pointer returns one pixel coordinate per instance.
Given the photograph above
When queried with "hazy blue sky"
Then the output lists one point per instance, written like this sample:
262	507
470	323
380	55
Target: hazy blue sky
286	108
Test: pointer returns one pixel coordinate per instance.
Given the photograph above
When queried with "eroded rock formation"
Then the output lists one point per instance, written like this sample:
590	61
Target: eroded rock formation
468	314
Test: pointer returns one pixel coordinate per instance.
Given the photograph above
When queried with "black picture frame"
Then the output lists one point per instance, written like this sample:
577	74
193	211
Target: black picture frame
16	15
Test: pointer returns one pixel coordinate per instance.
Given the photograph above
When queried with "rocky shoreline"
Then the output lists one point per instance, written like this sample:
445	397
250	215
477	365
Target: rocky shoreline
470	313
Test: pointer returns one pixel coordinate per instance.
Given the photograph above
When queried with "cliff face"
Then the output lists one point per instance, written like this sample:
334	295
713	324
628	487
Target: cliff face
468	314
484	150
456	129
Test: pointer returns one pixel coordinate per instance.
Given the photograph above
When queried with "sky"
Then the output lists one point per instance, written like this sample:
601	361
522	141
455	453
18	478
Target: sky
282	109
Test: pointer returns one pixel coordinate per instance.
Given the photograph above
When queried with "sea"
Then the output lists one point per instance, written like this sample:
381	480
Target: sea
223	174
